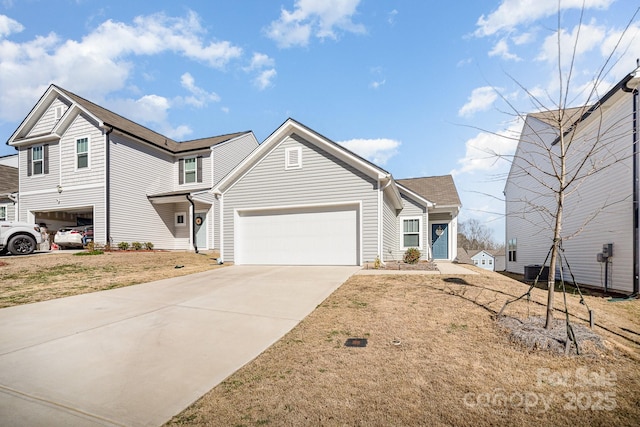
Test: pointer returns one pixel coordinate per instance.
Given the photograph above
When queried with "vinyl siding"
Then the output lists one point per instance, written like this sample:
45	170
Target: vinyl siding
390	234
94	174
228	155
48	120
410	209
322	179
138	170
597	211
206	174
43	181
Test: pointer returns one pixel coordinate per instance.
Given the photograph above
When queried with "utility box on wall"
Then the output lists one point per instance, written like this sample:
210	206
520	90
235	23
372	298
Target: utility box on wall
607	250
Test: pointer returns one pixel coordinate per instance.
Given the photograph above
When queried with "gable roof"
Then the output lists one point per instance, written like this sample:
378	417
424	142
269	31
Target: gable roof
109	119
290	127
440	190
8	179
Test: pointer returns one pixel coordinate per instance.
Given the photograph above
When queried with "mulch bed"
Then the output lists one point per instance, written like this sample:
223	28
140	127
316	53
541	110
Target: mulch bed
399	265
531	334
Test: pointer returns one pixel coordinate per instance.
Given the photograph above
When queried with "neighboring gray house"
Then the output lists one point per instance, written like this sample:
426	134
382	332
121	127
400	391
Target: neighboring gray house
8	192
81	164
602	207
484	259
302	199
9	160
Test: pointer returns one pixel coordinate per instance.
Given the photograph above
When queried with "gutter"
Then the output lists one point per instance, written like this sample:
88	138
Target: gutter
636	185
193	222
107	185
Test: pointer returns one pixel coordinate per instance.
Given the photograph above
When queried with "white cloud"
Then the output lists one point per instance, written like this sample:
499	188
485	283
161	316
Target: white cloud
199	97
489	152
9	26
501	49
101	62
265	79
392	17
481	99
377	151
589	36
377	84
153	110
321	18
259	61
629	46
264	68
512	13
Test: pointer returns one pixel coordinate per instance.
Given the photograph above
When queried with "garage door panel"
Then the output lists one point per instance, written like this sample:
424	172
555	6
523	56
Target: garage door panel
324	236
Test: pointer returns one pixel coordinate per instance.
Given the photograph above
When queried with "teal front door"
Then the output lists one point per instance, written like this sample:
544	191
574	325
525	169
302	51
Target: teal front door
201	230
440	241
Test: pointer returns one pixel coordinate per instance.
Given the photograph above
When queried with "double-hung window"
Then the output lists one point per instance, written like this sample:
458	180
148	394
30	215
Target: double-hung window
3	213
190	170
37	160
411	228
82	152
512	249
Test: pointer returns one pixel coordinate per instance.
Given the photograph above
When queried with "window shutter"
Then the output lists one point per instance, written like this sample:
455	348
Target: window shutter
29	161
181	171
45	159
199	169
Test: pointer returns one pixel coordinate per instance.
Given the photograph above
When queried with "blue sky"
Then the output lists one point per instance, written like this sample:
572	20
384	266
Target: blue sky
421	88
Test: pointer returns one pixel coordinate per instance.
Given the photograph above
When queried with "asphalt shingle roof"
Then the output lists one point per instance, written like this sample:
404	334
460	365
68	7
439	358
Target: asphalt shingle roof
8	179
440	190
112	119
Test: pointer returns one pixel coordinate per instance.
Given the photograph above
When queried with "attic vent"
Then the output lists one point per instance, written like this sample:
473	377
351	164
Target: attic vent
293	158
59	111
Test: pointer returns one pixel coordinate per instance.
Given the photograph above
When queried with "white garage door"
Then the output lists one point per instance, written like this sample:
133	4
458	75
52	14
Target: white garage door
309	236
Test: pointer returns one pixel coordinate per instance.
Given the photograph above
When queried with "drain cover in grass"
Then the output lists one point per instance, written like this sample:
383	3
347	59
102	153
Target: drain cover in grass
356	342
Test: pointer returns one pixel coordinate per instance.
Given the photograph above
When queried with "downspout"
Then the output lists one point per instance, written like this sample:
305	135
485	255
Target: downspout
107	185
636	185
381	218
193	222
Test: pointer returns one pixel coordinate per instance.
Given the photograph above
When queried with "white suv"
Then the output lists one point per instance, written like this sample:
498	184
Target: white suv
19	238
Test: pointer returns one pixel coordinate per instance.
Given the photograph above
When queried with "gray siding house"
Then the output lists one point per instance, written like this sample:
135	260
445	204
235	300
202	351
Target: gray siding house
80	164
302	199
8	192
601	207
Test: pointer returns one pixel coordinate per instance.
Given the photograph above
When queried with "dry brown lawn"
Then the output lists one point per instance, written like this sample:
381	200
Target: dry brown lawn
435	356
41	277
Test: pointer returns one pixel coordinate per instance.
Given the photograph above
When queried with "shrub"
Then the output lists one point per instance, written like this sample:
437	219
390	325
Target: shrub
91	246
136	246
148	246
123	245
377	263
411	256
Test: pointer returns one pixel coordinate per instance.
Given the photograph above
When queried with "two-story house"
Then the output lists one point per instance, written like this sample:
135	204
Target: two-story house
600	239
80	163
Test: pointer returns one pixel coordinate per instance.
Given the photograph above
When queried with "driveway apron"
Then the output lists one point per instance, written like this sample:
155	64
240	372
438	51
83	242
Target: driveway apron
136	356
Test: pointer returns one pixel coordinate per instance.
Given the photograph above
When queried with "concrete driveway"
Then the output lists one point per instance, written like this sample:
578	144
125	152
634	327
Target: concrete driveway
136	356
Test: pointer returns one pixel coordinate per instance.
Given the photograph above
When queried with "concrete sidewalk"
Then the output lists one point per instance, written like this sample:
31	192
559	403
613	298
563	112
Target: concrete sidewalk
136	356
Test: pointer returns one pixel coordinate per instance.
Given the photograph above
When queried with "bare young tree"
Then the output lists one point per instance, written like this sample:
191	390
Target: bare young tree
473	235
553	162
